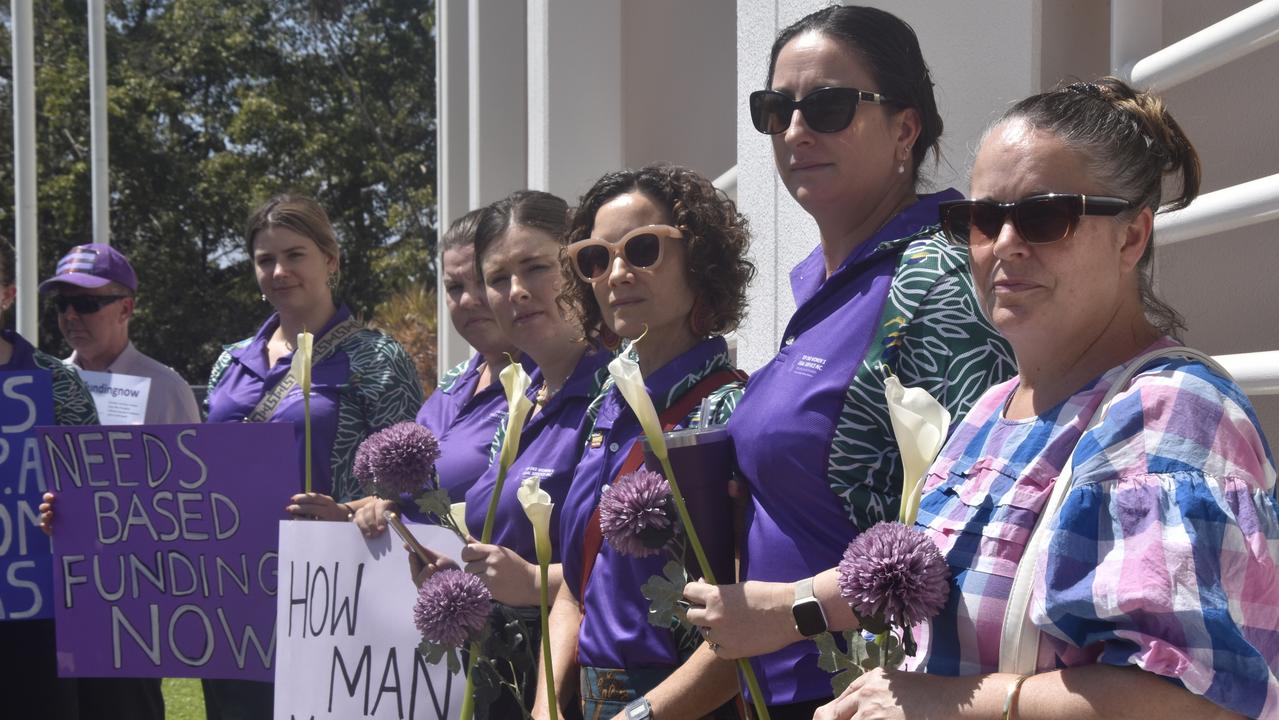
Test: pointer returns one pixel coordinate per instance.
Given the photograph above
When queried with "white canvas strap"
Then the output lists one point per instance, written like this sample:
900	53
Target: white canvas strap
1019	642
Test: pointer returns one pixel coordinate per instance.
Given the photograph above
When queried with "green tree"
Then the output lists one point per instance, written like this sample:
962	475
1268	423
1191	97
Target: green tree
214	106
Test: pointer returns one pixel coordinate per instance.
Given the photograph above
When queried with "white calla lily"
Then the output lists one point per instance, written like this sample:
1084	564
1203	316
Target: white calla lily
537	506
515	381
626	373
457	512
920	424
300	369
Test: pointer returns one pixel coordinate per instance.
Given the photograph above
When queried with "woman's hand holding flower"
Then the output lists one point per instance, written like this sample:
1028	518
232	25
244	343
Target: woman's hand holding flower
510	578
743	620
877	695
422	570
371	519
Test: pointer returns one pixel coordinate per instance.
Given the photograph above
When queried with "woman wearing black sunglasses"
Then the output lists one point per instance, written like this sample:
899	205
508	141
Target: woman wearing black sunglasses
657	257
850	109
1108	515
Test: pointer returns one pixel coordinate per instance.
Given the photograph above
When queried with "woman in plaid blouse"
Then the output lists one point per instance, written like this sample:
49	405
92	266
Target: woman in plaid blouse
1158	592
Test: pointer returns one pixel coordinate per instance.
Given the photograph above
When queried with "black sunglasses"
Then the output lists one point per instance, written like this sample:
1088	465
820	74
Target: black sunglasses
825	110
1038	219
85	304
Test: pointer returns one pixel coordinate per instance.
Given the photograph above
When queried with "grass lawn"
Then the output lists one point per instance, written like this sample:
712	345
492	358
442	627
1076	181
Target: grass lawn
183	699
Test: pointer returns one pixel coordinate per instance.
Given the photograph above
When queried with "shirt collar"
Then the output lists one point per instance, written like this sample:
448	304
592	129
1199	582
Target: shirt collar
253	355
919	217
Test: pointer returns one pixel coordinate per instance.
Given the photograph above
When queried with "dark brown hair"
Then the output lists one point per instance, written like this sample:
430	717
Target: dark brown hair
530	208
890	49
1129	142
716	235
461	232
7	259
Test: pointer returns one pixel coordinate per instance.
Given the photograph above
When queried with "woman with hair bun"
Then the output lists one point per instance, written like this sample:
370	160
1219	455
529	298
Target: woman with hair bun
1108	515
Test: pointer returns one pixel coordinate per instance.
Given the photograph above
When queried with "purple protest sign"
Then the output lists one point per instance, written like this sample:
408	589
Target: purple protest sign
26	400
165	547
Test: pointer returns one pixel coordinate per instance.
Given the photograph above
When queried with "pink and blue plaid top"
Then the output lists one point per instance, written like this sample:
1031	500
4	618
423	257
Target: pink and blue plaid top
1165	554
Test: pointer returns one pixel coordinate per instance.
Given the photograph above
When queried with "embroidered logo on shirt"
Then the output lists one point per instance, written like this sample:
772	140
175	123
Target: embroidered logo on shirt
597	440
808	365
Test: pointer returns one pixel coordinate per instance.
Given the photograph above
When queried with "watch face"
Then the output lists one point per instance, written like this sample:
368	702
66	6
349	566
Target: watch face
639	710
809	619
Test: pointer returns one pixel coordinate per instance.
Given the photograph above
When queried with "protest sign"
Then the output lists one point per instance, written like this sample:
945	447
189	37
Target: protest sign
347	646
26	400
165	547
120	399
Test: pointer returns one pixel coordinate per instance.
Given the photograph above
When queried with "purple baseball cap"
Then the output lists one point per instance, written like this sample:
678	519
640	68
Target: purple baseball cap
92	266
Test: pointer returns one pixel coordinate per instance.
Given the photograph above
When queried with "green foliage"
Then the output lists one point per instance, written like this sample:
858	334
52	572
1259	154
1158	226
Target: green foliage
214	106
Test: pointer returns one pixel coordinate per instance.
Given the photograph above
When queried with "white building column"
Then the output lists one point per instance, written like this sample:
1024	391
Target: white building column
574	94
452	92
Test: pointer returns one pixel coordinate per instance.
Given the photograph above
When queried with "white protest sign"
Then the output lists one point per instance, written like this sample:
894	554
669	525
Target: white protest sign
346	644
120	399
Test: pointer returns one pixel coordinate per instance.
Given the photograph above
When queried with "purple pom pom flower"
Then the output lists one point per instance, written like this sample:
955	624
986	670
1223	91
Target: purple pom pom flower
893	575
637	514
397	460
452	608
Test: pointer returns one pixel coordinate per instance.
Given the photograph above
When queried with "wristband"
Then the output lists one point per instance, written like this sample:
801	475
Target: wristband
1010	699
350	514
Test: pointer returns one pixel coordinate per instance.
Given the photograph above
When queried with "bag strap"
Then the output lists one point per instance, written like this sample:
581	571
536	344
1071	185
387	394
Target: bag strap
324	347
670	418
1019	641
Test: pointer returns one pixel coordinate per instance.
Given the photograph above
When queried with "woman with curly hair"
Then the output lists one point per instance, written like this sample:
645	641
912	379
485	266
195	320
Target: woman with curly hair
658	258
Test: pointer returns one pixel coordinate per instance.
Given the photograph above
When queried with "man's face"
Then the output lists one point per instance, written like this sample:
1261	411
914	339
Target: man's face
100	324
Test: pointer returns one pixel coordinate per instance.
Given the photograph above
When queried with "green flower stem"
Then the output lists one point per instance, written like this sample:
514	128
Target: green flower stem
743	665
306	420
468	694
486	535
552	704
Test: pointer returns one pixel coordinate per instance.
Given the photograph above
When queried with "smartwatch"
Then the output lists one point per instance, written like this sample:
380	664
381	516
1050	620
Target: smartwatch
810	620
639	709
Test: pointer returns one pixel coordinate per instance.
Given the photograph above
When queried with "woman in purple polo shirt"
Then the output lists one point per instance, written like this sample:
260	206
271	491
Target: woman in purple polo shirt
466	408
361	381
850	109
658	253
518	241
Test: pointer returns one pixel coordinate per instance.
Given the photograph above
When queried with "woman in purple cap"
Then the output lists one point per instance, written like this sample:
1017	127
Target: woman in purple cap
850	110
658	258
518	241
29	682
466	408
361	380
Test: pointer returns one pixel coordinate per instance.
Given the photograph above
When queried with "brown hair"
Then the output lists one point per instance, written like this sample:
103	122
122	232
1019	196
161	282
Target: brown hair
889	47
300	214
530	208
7	258
716	235
461	232
1129	142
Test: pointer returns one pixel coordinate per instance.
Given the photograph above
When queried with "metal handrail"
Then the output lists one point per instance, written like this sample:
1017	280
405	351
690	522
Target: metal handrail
1250	203
1257	373
1248	30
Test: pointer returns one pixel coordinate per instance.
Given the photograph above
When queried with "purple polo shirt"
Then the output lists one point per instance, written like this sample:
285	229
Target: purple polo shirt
550	448
465	421
615	631
248	378
23	356
785	423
